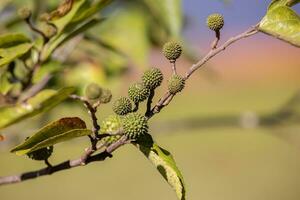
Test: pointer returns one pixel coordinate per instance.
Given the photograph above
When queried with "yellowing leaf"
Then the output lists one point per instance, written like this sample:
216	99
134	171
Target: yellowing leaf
283	23
166	165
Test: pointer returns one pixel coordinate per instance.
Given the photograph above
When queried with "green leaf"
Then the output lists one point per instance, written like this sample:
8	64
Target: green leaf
136	50
75	23
63	21
166	165
5	84
283	23
89	11
276	3
56	132
169	13
12	39
42	102
7	55
68	35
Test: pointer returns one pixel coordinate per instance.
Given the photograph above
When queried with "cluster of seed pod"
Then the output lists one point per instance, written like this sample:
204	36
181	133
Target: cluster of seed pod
133	124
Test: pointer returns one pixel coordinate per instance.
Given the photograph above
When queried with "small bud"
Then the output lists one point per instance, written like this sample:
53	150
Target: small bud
134	125
24	13
172	51
138	92
215	22
122	106
110	125
152	78
93	91
41	154
175	84
105	96
44	17
50	31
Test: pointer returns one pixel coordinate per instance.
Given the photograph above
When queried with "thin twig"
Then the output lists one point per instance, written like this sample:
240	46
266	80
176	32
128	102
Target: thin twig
33	28
136	107
149	102
83	160
92	112
167	98
174	67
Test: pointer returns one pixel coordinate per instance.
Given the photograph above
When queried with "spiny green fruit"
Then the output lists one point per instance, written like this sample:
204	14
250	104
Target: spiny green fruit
93	91
122	106
134	125
152	78
138	92
24	13
111	125
50	31
215	22
172	50
105	96
41	154
175	84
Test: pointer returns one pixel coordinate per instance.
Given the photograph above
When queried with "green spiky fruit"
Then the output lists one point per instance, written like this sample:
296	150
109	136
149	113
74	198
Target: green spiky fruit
24	13
134	125
122	106
175	84
93	91
50	31
215	22
152	78
105	96
138	92
111	125
41	154
172	50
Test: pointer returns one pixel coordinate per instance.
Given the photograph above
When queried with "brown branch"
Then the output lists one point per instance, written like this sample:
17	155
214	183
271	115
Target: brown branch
85	159
92	112
167	98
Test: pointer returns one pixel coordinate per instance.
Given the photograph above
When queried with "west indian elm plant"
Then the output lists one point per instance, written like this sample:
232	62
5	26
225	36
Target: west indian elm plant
129	126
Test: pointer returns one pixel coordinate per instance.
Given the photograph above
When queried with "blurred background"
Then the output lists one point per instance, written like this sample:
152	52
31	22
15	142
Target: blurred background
234	131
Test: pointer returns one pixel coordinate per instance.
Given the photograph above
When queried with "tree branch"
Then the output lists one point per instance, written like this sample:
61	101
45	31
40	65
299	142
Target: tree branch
85	159
167	98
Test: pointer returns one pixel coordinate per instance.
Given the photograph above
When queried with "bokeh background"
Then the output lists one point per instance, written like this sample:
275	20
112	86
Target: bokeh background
234	131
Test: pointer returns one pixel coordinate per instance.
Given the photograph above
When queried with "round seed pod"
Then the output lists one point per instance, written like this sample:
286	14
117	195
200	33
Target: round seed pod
122	106
215	22
50	31
175	84
105	96
111	125
152	78
93	91
24	13
138	92
134	125
41	154
172	50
